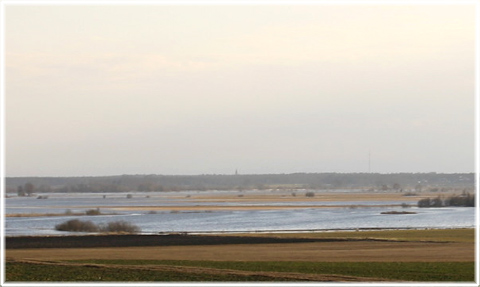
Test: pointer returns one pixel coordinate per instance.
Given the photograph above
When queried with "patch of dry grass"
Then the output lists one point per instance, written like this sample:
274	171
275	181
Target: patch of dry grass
346	251
440	235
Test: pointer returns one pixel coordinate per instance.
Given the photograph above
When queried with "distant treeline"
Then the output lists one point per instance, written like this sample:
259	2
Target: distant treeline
125	183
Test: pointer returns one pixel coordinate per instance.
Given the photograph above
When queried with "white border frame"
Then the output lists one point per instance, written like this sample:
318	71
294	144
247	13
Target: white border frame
5	3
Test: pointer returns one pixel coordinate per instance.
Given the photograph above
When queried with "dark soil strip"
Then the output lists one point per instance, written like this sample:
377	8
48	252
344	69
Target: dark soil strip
126	240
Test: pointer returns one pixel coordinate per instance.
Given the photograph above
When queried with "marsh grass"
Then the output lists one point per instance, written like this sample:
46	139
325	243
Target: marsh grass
69	212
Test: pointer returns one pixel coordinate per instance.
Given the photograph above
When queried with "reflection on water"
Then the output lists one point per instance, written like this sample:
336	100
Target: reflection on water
224	221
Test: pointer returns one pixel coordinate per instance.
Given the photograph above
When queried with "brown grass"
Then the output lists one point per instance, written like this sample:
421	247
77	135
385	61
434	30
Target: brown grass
466	235
43	214
319	196
284	197
228	208
347	251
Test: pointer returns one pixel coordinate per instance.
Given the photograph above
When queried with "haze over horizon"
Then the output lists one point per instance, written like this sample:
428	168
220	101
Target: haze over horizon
264	89
228	174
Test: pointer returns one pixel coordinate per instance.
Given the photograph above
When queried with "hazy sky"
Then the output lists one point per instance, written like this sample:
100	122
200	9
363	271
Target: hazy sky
170	89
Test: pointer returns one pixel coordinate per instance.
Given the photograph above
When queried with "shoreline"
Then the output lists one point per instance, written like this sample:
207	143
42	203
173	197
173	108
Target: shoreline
245	232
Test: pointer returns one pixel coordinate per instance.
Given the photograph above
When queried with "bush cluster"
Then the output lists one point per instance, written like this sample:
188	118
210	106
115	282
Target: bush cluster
120	226
466	200
76	225
93	211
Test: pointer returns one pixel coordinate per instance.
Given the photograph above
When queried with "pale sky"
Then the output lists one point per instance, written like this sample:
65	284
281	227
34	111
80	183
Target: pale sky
184	89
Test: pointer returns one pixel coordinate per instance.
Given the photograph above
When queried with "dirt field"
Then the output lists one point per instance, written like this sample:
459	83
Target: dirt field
322	251
318	251
428	247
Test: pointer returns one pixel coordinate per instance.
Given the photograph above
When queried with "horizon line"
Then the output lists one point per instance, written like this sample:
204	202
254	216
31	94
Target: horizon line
239	174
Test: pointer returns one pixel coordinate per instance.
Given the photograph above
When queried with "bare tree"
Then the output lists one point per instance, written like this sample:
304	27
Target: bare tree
29	188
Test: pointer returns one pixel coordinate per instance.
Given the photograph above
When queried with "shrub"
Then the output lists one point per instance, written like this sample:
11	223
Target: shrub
462	200
436	202
410	194
425	202
310	194
77	226
120	226
429	202
466	200
93	212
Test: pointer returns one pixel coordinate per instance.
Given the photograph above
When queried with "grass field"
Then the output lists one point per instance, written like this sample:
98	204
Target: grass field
32	272
142	270
400	255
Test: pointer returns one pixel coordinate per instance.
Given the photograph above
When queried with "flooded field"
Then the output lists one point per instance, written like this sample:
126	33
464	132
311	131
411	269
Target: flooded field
231	211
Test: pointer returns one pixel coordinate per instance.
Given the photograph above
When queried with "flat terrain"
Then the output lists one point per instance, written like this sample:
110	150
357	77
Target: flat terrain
361	256
413	249
319	196
287	199
354	251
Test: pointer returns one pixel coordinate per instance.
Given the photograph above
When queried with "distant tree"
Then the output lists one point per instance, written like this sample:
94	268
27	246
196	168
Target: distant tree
425	202
20	191
43	188
261	186
436	202
466	200
470	200
29	189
